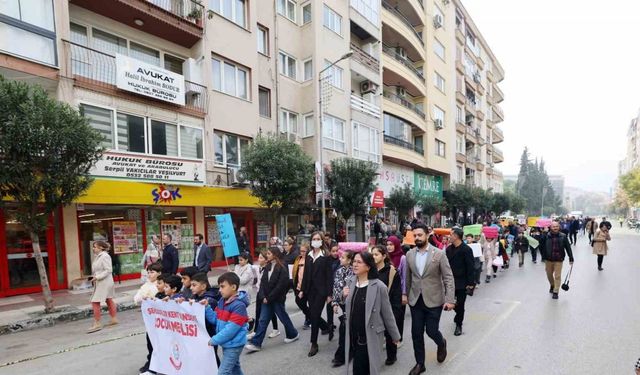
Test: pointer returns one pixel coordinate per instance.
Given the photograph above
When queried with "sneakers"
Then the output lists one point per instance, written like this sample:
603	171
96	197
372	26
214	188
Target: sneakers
275	333
113	322
250	335
252	348
95	327
555	296
289	341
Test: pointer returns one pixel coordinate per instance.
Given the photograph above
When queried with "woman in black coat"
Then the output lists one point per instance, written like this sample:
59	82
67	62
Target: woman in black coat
388	274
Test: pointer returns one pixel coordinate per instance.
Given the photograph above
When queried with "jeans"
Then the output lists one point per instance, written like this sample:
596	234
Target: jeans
424	318
274	320
461	297
268	310
230	364
600	259
554	274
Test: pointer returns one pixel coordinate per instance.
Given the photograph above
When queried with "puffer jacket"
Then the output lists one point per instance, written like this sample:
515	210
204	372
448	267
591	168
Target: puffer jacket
230	318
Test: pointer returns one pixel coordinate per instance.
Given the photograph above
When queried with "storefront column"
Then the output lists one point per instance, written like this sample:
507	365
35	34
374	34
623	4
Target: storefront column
199	221
72	245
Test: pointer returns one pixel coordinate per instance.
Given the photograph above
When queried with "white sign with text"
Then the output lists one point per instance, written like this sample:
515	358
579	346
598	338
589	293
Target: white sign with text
149	80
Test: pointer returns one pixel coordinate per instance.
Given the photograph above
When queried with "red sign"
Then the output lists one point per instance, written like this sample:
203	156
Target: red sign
378	199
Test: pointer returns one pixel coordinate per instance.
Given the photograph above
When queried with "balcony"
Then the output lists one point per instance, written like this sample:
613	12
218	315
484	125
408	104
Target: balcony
498	95
461	128
460	35
398	30
490	170
365	59
490	76
480	115
498	112
178	21
96	71
471	135
498	136
498	156
403	144
399	71
480	62
404	108
460	157
365	107
479	164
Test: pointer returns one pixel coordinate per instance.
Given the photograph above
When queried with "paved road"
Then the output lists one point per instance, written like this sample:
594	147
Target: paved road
512	327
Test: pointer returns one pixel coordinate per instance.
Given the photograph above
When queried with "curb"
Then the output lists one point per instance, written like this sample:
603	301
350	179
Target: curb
66	314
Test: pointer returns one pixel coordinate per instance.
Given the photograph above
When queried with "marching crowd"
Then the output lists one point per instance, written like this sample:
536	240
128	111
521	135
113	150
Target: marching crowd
366	293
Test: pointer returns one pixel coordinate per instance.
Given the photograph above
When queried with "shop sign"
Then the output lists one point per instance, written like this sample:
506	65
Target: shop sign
393	176
149	80
165	194
149	169
125	237
426	184
378	199
264	232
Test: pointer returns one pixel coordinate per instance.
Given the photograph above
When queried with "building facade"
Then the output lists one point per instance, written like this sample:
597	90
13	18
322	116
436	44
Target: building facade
179	88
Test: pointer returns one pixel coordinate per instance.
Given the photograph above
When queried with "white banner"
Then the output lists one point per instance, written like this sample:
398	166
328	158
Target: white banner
179	338
149	169
393	175
149	80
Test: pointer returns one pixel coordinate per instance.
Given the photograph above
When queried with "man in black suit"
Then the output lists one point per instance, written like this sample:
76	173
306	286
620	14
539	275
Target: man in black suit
202	255
460	258
170	259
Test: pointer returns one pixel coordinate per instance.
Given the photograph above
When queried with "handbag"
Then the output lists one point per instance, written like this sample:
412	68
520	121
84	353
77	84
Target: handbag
565	285
498	262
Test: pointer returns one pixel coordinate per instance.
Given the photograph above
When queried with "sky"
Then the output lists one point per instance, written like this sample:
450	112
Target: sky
571	82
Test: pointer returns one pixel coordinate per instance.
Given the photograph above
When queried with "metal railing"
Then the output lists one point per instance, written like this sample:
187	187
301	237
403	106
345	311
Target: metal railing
402	18
404	144
98	69
404	102
190	10
404	60
365	59
364	106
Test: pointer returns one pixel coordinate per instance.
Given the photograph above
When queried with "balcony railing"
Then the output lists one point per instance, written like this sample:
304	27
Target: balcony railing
366	10
365	59
404	144
497	152
189	9
405	61
499	135
364	106
402	18
498	111
95	69
404	102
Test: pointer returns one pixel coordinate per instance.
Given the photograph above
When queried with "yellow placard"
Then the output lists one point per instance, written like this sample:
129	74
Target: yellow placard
531	221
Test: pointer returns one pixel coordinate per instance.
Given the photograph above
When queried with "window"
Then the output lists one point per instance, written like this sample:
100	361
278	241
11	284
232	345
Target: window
438	114
309	126
35	12
459	115
146	54
228	149
459	174
333	75
164	138
439	82
109	43
306	13
233	10
308	70
418	144
440	148
332	20
230	78
263	40
288	122
287	8
173	64
368	8
21	38
438	48
366	143
264	101
396	128
288	65
460	144
333	133
144	135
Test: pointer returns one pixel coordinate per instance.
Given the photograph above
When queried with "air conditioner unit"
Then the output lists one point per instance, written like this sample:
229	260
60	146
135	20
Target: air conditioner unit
367	87
437	21
476	77
235	177
292	137
438	123
401	52
401	91
446	2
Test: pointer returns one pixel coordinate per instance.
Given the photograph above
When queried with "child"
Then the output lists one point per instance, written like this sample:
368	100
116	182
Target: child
149	288
230	318
186	274
262	261
160	284
339	282
477	261
172	286
335	264
245	273
521	246
201	290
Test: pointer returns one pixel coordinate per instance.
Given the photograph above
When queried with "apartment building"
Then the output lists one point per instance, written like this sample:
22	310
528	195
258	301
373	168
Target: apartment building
632	157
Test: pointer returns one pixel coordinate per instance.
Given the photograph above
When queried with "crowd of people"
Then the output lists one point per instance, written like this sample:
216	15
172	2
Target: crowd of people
429	270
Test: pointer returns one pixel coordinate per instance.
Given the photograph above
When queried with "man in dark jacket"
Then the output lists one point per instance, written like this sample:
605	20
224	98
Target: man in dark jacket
461	261
521	246
170	259
553	248
574	228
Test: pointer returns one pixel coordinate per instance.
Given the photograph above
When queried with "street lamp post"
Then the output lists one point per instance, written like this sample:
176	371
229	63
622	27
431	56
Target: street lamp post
544	192
320	136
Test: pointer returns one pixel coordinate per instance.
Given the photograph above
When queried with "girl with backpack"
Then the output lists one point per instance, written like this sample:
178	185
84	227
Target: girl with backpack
390	276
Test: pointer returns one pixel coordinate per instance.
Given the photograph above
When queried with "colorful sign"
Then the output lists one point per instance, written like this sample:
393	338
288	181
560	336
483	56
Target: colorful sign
125	237
393	176
543	223
149	168
377	200
227	235
474	230
428	185
179	338
149	80
165	194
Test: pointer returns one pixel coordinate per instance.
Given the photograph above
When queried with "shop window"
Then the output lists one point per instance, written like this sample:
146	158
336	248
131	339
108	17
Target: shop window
23	271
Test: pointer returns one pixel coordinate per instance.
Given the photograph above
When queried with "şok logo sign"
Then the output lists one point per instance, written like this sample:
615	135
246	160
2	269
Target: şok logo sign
165	194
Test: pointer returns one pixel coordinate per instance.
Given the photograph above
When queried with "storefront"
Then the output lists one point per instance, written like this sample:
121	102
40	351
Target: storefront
18	269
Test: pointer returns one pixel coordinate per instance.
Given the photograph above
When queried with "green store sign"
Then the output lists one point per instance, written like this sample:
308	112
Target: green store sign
426	184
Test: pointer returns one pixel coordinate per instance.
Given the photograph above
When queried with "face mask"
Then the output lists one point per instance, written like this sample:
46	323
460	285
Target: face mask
316	244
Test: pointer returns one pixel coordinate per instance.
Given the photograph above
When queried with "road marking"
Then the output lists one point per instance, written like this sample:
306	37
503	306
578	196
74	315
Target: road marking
70	349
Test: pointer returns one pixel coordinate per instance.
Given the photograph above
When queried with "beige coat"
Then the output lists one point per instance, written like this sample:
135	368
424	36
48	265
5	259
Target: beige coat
436	284
600	246
102	274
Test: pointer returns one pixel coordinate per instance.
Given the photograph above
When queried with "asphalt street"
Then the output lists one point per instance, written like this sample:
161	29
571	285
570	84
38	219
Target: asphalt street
512	326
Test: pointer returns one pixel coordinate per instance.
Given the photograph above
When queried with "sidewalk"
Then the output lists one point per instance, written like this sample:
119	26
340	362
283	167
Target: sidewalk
25	312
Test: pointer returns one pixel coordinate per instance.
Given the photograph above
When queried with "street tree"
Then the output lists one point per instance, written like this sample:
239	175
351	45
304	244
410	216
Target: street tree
402	200
630	183
279	173
431	205
350	182
47	149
